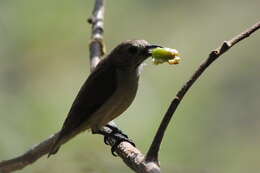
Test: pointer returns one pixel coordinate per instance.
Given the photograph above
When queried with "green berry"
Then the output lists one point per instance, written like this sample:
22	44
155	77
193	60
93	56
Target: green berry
161	55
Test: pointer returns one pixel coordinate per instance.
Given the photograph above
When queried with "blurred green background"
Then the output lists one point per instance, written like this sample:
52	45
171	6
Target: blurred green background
44	61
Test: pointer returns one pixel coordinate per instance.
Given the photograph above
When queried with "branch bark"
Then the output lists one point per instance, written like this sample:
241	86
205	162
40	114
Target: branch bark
153	151
132	157
96	46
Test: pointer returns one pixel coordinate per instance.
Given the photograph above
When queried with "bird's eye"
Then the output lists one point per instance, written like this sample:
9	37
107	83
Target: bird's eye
133	50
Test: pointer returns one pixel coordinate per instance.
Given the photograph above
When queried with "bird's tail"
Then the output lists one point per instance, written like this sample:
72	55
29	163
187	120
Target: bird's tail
53	151
61	138
55	146
58	141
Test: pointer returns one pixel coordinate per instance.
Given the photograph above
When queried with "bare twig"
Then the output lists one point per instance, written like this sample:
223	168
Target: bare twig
153	151
130	155
28	157
96	46
133	157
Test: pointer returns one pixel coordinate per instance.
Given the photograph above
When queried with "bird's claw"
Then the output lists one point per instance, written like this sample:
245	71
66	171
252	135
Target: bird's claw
118	136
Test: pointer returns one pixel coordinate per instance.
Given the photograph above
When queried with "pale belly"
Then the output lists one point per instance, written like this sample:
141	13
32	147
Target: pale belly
118	103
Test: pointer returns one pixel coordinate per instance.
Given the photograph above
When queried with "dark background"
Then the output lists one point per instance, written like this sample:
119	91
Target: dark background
44	61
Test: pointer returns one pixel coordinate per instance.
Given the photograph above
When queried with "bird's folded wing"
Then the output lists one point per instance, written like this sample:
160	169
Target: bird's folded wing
96	90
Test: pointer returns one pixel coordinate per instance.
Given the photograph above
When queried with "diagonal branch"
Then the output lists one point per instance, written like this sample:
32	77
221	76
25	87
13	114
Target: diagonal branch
153	151
132	157
129	154
28	157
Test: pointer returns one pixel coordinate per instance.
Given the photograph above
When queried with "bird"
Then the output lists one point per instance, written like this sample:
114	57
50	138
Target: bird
108	91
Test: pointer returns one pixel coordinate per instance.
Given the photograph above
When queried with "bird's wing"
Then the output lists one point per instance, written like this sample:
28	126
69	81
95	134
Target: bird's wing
99	86
96	90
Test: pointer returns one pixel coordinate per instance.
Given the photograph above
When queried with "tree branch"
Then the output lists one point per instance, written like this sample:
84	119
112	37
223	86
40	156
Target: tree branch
130	155
96	46
153	151
133	157
28	157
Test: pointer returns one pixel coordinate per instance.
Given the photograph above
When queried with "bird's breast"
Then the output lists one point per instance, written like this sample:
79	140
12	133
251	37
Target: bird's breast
127	85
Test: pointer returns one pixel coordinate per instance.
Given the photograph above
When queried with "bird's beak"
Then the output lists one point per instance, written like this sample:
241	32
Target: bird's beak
147	52
149	48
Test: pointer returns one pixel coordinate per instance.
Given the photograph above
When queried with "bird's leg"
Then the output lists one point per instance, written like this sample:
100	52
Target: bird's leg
115	130
115	134
118	136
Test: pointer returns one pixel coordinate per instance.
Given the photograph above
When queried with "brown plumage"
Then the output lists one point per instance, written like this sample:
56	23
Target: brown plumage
108	91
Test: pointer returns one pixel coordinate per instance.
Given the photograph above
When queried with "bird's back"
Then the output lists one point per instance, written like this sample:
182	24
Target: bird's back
96	90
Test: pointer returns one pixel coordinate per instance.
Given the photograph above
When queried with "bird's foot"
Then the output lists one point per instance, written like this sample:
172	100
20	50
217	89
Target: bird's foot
115	131
116	134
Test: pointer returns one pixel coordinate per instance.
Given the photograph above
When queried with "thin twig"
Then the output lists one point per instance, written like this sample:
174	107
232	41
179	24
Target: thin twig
28	157
129	154
132	157
153	151
96	46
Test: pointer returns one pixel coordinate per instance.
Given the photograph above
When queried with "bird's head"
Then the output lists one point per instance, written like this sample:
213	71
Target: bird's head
131	53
